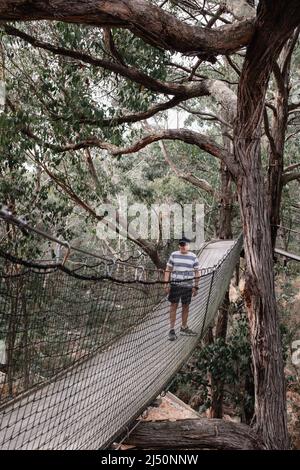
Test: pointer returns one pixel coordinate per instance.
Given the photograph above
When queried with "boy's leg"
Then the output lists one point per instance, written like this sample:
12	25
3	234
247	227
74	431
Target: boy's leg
173	299
185	314
173	310
186	300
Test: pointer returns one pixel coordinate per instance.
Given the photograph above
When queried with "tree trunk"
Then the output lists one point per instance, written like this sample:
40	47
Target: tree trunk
224	233
226	195
225	223
217	386
274	26
270	393
194	434
278	133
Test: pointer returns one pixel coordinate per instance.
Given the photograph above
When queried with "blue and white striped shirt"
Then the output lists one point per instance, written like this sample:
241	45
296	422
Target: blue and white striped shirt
183	267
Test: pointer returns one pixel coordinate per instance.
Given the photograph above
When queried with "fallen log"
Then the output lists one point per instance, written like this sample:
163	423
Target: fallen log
201	433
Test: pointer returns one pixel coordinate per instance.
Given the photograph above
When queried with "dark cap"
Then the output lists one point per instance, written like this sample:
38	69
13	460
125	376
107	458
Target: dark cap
184	241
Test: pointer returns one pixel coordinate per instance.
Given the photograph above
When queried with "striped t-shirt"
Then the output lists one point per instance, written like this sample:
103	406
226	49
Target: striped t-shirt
183	267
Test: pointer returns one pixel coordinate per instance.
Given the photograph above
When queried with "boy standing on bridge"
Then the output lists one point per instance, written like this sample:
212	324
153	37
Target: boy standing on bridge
183	269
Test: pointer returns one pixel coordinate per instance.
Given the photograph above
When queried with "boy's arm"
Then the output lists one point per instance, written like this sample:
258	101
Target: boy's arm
197	278
167	274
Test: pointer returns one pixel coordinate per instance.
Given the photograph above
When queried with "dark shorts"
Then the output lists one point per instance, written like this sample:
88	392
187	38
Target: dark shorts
178	293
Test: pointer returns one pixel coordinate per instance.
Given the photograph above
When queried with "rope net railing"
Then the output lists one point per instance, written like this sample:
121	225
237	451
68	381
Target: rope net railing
83	351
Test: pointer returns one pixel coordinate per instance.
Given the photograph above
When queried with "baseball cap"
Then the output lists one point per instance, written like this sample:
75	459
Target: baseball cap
184	241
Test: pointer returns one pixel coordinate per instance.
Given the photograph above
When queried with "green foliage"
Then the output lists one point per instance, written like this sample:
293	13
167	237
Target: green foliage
228	362
137	53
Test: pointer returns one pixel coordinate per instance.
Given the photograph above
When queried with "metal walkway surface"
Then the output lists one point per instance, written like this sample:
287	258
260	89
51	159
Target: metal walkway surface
87	406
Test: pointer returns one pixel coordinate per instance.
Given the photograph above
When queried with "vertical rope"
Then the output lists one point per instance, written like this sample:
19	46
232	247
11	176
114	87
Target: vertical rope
207	303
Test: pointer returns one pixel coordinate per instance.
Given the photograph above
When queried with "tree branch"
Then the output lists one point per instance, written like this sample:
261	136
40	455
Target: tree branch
202	141
292	134
288	177
291	167
110	46
208	116
194	138
92	169
187	90
189	177
294	106
120	227
154	25
218	89
289	51
69	191
233	65
134	117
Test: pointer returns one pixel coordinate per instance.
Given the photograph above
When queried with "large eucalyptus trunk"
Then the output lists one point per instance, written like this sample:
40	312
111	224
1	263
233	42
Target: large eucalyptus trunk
260	301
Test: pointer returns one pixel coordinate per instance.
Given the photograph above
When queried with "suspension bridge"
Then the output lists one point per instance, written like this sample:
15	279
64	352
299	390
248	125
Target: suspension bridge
87	352
86	348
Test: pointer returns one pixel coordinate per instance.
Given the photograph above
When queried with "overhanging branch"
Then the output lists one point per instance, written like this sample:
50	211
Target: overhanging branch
190	137
188	90
154	25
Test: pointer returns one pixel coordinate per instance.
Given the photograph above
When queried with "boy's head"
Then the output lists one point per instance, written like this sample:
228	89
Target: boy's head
184	245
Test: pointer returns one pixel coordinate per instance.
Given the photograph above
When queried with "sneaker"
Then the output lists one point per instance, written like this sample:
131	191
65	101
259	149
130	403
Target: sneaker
187	332
172	335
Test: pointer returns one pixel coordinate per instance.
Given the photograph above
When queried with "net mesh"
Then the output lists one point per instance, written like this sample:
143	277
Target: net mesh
84	350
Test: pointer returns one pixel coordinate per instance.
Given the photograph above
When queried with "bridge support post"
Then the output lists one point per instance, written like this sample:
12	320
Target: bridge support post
207	304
